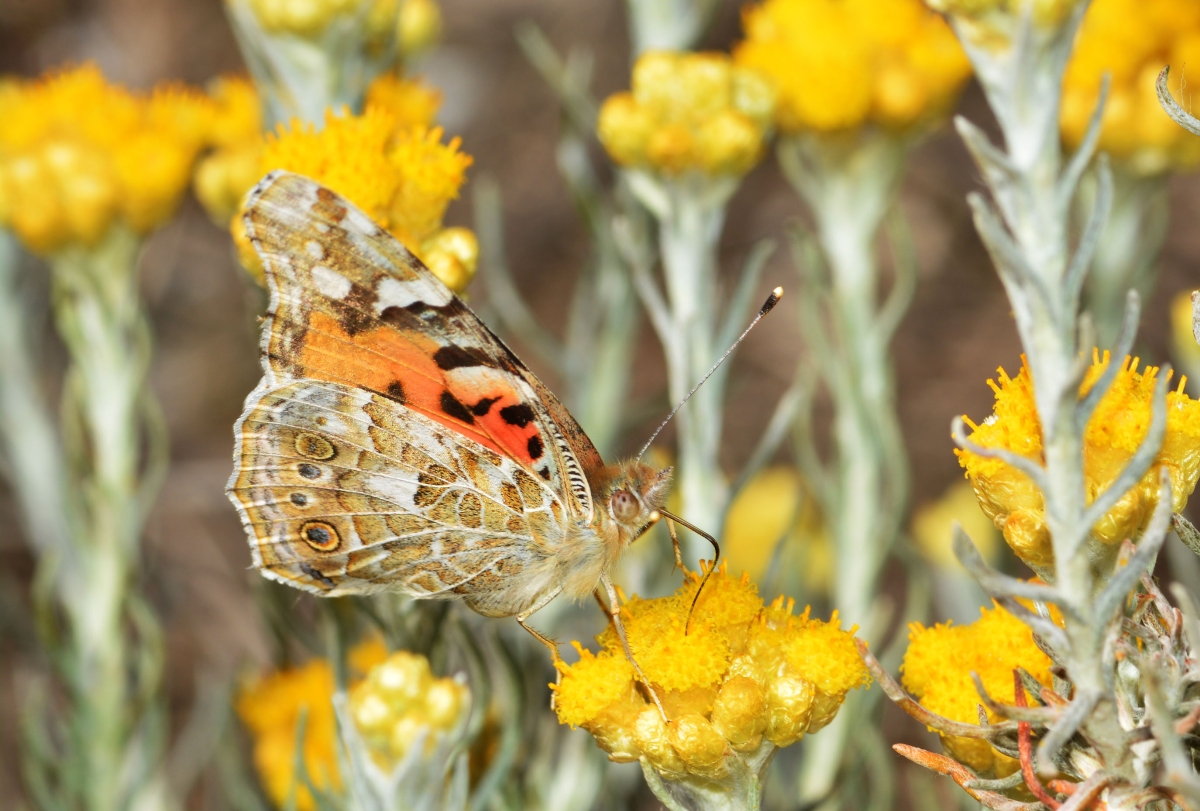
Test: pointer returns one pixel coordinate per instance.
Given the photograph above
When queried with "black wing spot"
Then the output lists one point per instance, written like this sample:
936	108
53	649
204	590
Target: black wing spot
455	357
544	472
308	471
312	572
535	447
299	499
519	415
453	408
395	390
484	406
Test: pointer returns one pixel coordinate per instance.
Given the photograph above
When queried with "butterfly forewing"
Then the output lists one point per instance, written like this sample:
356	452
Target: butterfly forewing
351	305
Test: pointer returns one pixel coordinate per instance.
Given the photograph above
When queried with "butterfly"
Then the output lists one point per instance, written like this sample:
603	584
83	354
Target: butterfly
395	443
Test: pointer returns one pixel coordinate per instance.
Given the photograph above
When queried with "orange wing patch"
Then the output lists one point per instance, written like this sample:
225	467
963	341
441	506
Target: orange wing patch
448	384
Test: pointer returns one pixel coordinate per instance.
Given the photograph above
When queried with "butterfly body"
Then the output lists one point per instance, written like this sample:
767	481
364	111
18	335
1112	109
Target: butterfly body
394	443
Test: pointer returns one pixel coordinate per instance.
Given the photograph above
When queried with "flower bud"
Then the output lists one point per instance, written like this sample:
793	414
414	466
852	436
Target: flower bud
654	742
699	744
739	713
452	255
789	705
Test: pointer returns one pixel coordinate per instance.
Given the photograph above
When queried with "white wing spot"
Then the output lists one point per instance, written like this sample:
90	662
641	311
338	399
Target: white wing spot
361	222
395	293
315	249
330	282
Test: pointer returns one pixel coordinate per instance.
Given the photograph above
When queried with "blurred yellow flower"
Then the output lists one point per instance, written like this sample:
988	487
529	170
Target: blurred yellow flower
1132	41
843	64
933	526
937	671
400	701
688	112
398	697
775	507
271	707
78	154
420	26
742	677
1118	425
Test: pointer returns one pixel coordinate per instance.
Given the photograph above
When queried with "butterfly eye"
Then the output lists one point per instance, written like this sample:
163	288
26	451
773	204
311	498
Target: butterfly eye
625	507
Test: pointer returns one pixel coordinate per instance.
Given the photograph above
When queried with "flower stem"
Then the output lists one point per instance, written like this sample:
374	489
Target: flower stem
690	212
848	185
1032	195
111	667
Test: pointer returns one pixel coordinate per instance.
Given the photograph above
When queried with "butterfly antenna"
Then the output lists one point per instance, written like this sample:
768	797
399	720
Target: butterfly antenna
771	301
707	572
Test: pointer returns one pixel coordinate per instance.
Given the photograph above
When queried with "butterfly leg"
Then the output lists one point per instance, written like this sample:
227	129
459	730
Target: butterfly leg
615	613
545	640
675	544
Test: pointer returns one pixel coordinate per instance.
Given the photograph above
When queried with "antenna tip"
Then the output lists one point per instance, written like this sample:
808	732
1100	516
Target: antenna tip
771	301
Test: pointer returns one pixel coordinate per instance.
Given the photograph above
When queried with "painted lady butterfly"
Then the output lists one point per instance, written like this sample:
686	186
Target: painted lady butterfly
395	443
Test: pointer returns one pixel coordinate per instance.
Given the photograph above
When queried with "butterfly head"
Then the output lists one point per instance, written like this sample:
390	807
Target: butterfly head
630	497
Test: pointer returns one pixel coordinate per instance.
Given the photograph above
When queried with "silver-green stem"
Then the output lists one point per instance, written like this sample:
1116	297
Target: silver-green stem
303	77
667	25
99	316
690	212
1027	233
31	445
849	185
1129	247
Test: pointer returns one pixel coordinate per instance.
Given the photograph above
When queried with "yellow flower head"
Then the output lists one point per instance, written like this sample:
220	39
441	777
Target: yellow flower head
271	708
1132	40
1114	432
937	671
742	674
403	177
224	177
688	112
78	154
400	702
844	64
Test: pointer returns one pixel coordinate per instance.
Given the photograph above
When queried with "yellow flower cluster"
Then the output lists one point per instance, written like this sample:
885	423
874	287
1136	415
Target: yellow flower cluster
937	671
843	64
1114	432
1047	13
1132	40
745	675
400	702
389	161
271	708
688	112
224	177
78	154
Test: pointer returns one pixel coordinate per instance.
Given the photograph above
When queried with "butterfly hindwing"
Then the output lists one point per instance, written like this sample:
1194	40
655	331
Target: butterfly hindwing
350	305
348	492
